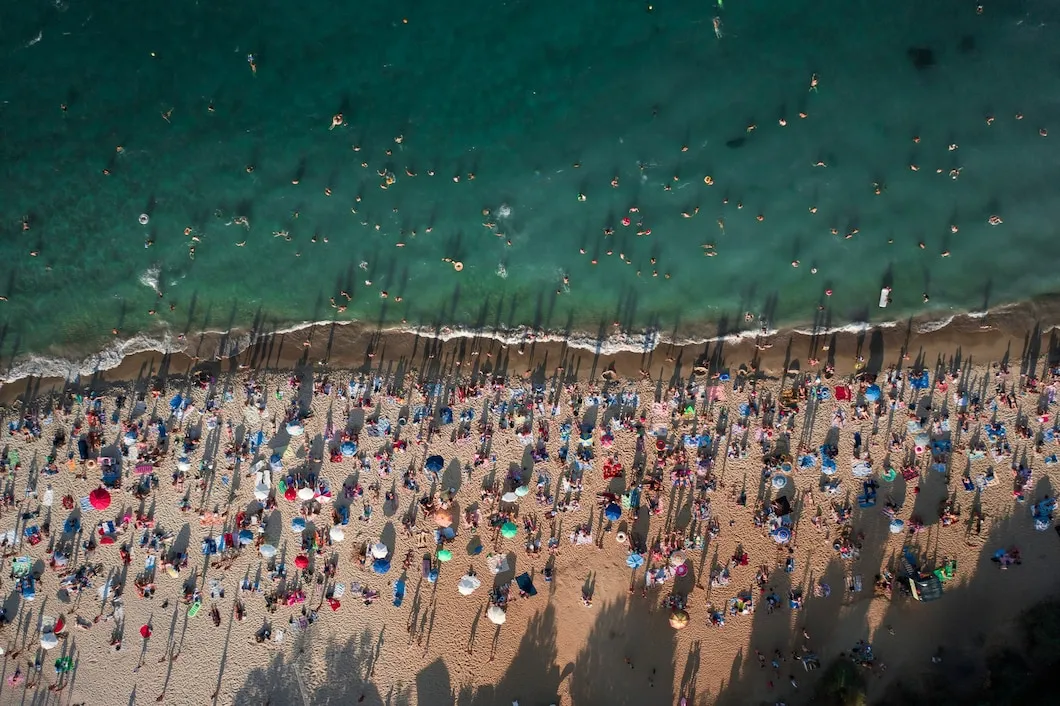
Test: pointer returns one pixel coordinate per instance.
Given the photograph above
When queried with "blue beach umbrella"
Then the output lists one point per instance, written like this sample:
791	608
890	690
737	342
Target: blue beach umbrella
245	537
348	448
635	561
613	512
872	393
381	566
435	463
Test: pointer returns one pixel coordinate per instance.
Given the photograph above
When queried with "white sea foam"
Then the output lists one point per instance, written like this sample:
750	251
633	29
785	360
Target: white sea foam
149	278
502	271
617	342
504	211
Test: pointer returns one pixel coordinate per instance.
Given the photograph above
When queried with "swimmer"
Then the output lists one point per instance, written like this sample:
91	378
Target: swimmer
813	82
717	27
253	64
995	220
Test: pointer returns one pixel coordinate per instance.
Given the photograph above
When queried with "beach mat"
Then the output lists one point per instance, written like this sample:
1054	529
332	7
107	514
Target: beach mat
526	585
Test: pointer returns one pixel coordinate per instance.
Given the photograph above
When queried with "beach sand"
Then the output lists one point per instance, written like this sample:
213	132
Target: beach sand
439	647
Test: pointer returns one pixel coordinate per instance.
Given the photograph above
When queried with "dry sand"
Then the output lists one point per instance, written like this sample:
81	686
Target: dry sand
439	648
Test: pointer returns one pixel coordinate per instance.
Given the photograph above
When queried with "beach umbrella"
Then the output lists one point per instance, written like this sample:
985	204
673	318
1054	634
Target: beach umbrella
522	490
435	463
305	493
246	537
681	569
468	584
348	448
896	526
781	535
295	429
99	498
267	550
379	550
613	511
444	555
779	481
496	615
872	393
48	640
509	530
301	561
275	463
261	492
678	558
678	619
297	524
634	560
183	464
336	533
381	566
290	494
510	497
145	631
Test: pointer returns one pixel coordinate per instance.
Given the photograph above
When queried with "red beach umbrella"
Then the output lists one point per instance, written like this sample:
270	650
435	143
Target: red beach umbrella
334	603
99	498
301	561
145	631
290	494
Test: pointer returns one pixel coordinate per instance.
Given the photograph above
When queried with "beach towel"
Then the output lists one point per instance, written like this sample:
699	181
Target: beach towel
526	585
842	393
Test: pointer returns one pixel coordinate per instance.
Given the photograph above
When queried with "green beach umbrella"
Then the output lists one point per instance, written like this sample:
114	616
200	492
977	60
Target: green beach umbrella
509	530
444	555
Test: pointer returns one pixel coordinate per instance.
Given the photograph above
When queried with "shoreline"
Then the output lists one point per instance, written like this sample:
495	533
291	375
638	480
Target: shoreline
353	345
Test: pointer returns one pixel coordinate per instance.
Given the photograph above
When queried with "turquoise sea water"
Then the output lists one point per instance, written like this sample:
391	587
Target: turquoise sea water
517	93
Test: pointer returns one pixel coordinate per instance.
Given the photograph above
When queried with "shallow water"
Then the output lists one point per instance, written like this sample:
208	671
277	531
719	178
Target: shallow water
516	93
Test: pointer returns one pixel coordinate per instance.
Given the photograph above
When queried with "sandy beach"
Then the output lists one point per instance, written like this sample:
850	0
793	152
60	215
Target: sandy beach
716	475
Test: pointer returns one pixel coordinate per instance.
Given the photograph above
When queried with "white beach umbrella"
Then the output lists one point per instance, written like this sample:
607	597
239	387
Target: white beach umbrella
510	497
522	490
468	584
183	464
295	429
496	615
48	640
261	491
267	550
336	533
305	493
379	551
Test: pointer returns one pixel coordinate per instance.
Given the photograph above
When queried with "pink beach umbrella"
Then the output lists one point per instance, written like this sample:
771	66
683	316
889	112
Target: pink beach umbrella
99	498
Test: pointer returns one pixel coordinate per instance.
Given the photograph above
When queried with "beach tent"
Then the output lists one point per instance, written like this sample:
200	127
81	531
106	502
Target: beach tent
926	588
496	615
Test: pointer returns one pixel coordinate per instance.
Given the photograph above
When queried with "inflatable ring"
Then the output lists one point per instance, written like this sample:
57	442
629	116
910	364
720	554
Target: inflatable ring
918	449
91	463
620	537
889	475
458	265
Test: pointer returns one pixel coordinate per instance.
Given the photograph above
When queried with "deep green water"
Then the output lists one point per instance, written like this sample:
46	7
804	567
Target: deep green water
517	93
